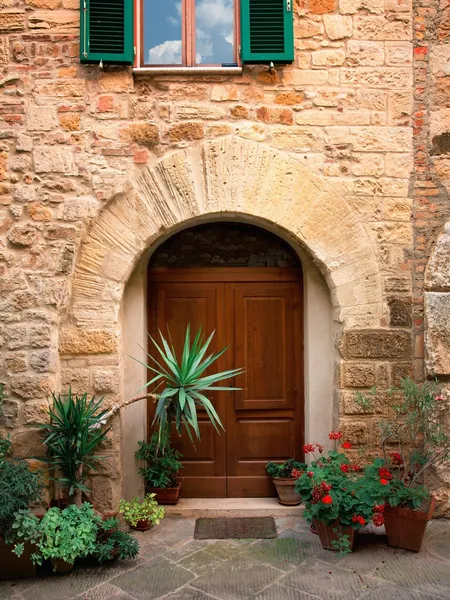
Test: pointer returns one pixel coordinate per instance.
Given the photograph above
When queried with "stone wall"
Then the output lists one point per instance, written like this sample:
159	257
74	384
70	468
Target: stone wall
96	165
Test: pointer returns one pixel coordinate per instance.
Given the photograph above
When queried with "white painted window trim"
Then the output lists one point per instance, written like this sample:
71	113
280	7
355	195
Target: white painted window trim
187	70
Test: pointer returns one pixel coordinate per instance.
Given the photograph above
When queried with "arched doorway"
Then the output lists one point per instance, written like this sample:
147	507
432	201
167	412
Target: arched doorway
245	284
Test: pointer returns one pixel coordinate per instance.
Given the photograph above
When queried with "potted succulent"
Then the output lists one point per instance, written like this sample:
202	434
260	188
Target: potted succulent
413	442
141	515
333	490
162	466
19	487
284	475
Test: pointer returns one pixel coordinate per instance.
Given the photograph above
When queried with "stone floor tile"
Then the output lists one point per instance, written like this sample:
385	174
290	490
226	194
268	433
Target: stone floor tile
229	548
367	558
282	592
189	593
282	553
439	545
328	582
201	562
393	592
9	591
237	579
105	592
152	550
418	572
179	552
173	531
153	580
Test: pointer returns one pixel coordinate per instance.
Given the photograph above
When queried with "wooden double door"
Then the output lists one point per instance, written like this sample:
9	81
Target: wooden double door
257	314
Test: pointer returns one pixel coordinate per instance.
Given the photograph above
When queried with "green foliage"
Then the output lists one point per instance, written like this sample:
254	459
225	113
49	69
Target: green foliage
112	542
332	489
75	430
19	487
284	470
162	463
61	534
185	383
146	510
5	440
342	544
414	430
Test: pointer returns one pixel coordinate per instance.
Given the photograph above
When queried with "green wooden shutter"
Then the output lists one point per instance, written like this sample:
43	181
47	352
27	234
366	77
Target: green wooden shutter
267	31
106	31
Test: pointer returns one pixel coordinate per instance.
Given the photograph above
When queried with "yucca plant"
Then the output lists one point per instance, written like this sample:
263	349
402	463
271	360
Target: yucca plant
185	384
73	434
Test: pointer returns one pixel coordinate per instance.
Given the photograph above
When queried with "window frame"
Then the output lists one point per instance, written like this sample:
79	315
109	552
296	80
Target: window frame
188	39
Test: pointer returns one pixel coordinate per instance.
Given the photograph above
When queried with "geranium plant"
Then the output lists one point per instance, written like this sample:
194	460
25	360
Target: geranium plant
289	469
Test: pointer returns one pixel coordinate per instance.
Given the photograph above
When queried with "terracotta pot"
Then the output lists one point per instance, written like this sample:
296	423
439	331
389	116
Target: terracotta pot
286	493
13	566
143	525
61	567
405	527
165	495
327	535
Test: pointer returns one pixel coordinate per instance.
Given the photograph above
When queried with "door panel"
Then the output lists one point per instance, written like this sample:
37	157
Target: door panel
265	421
201	305
257	313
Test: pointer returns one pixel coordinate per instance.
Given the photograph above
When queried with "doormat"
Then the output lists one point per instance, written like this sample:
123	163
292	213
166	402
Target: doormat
238	528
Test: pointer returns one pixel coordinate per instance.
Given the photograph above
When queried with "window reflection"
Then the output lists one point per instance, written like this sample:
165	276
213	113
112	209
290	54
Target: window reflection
162	32
214	24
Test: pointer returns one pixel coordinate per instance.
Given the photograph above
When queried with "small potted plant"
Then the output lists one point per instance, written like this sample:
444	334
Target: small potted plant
413	442
61	536
113	543
161	470
333	491
284	475
141	515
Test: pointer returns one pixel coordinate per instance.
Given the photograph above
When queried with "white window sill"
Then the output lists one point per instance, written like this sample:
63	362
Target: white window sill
187	70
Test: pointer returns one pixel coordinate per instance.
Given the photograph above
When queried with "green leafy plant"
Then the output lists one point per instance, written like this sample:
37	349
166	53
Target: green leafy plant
289	469
61	534
185	384
5	440
342	544
413	440
19	487
112	542
162	463
75	430
146	510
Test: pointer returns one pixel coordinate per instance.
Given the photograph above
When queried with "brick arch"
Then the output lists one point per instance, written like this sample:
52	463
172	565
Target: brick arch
232	177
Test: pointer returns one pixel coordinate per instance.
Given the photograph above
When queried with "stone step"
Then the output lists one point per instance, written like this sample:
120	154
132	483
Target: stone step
232	507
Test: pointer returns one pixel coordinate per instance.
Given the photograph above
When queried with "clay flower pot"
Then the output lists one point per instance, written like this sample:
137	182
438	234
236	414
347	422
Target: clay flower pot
405	527
142	525
165	495
13	566
327	535
286	492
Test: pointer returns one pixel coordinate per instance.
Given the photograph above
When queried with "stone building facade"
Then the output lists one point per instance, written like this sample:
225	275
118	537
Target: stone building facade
343	154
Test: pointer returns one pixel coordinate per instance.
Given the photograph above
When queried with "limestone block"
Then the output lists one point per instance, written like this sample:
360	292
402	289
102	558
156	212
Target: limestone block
365	53
307	28
28	443
437	333
386	77
357	374
438	269
320	7
218	129
299	139
10	414
193	130
254	132
39	212
52	4
70	121
12	20
31	387
400	311
289	98
41	361
18	162
106	493
200	111
399	53
400	106
25	193
106	382
381	28
367	164
142	133
54	159
224	93
116	81
4	51
338	27
16	362
64	88
440	59
359	433
350	7
24	143
399	165
398	5
16	336
22	235
275	115
56	21
328	58
40	335
384	139
302	77
76	341
400	371
382	344
36	412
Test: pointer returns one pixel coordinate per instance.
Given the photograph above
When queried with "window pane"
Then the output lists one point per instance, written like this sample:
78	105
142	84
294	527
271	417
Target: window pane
162	32
214	23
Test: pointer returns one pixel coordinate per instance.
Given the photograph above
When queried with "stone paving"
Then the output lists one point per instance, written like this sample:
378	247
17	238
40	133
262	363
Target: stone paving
174	566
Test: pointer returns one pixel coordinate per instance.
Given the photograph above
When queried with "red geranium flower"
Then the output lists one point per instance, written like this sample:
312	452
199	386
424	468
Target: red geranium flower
396	458
319	448
379	508
344	468
335	435
310	474
296	473
355	468
359	519
346	445
439	397
384	481
384	473
378	519
327	499
307	448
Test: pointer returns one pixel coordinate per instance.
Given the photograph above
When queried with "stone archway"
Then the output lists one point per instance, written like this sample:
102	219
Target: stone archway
224	179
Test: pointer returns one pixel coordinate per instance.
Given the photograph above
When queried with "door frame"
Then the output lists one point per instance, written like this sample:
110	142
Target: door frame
218	274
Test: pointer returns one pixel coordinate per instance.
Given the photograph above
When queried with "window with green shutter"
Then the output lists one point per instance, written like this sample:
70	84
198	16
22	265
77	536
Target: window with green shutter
267	31
107	31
